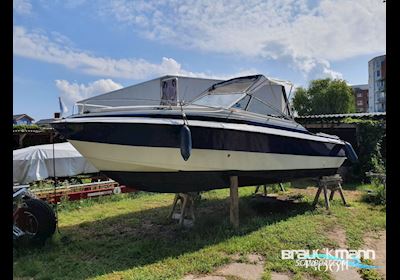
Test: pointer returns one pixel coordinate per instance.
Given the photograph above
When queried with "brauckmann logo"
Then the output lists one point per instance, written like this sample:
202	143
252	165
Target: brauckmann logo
330	259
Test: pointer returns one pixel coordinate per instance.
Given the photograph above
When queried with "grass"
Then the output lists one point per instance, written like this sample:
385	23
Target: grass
129	237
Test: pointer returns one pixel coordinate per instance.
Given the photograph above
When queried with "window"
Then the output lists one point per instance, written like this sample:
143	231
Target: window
378	73
235	86
359	94
242	104
256	106
218	100
169	92
359	103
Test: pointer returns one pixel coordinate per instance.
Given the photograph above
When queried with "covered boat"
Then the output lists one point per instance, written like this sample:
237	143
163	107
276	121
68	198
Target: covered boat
240	127
36	162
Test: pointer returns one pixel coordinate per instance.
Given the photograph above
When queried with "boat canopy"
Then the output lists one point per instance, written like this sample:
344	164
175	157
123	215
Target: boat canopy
257	94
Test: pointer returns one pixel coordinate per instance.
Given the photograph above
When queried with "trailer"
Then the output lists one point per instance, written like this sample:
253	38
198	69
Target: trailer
81	191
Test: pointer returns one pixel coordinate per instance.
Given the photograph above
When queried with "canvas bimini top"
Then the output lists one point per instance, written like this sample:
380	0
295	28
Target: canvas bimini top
256	94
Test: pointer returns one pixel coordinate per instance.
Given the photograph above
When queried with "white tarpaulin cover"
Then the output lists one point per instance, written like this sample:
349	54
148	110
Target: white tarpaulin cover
36	162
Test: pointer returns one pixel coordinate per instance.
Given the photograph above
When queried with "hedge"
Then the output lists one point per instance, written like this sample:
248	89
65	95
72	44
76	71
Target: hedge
371	135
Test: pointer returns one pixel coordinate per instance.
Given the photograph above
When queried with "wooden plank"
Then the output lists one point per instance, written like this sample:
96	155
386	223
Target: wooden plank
341	194
326	197
332	194
234	201
317	195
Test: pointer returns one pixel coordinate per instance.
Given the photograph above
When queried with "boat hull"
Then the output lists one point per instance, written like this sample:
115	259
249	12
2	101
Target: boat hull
195	181
147	156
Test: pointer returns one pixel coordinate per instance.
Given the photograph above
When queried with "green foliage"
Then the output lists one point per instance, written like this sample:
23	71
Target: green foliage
129	237
324	96
369	274
370	136
376	194
26	127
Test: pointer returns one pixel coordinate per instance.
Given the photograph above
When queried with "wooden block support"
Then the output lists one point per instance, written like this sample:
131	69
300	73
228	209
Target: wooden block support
186	202
333	183
234	201
264	189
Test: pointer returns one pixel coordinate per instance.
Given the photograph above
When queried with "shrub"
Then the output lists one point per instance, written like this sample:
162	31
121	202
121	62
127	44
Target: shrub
24	127
378	193
371	134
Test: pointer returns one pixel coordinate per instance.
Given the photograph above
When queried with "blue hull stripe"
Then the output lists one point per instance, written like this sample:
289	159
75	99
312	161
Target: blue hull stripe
162	135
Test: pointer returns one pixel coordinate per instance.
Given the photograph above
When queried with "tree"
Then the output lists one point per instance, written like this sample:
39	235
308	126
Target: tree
324	96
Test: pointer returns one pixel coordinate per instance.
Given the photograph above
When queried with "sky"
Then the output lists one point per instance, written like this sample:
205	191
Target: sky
75	49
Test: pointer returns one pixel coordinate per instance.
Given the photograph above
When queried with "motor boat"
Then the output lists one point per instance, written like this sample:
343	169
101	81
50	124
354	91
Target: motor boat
239	127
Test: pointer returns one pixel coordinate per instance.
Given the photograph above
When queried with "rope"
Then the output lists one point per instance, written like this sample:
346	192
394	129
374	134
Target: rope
185	121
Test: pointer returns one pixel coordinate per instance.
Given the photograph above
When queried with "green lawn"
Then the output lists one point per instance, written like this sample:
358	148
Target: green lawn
129	236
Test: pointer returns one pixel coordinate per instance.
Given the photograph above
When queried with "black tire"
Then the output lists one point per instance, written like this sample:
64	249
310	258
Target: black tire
38	218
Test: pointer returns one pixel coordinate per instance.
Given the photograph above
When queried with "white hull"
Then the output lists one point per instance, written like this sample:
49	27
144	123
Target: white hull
112	157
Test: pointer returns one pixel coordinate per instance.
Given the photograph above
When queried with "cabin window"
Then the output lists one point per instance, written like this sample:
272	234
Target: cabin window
242	104
233	86
256	106
218	100
169	94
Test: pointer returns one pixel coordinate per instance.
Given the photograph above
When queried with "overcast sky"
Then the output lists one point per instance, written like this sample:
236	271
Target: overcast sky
79	48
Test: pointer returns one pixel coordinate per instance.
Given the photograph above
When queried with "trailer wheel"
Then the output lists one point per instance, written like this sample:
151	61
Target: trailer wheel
37	219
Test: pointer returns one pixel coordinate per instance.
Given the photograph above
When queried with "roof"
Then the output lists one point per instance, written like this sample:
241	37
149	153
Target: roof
149	81
377	57
364	87
337	116
20	116
45	121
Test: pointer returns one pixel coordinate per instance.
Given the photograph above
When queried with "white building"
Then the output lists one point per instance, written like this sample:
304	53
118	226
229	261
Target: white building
376	84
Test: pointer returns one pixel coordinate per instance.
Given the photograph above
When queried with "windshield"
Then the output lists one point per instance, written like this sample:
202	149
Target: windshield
237	86
218	100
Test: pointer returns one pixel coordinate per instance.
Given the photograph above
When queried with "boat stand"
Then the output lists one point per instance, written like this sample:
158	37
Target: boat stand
185	203
183	206
333	183
265	189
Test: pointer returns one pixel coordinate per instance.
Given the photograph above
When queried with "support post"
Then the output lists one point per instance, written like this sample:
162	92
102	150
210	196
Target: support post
234	201
317	195
341	194
326	197
173	206
332	194
185	199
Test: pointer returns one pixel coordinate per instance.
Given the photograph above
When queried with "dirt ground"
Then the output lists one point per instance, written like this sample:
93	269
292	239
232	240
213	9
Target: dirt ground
377	242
